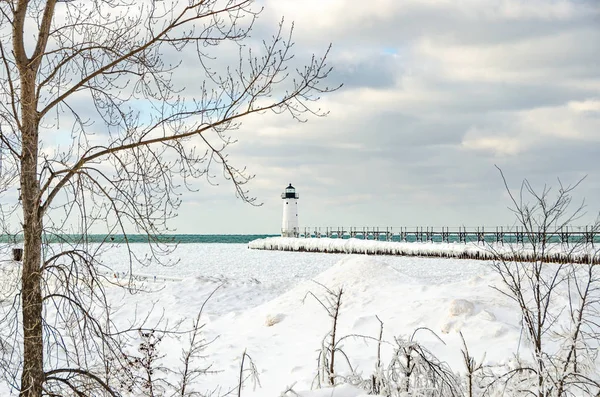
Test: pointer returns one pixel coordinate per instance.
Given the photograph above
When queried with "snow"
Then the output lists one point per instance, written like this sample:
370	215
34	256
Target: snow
461	307
266	305
555	252
340	391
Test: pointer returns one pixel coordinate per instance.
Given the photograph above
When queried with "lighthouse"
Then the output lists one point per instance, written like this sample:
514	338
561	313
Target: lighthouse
289	224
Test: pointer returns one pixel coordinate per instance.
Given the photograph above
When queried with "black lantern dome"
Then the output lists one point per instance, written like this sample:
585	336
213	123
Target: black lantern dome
290	193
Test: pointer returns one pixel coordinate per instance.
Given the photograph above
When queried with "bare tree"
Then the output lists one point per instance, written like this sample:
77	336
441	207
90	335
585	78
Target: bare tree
100	134
472	367
332	303
559	302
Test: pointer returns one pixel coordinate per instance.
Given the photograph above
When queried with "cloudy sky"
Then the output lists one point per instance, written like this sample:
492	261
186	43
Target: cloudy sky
436	92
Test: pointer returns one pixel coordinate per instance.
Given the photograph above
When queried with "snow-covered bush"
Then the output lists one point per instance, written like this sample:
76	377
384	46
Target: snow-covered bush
559	303
413	371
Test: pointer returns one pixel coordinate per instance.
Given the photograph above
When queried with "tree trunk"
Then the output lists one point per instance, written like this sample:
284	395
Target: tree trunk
32	377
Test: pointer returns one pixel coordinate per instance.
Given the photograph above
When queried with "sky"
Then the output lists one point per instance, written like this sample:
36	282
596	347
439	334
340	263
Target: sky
435	94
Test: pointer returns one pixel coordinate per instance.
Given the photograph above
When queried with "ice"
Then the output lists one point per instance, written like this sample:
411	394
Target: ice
555	252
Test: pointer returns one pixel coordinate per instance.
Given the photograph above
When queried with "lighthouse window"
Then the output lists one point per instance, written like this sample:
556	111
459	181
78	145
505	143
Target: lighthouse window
286	202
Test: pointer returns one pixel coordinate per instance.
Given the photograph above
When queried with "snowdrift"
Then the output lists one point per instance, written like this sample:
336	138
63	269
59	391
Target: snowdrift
284	334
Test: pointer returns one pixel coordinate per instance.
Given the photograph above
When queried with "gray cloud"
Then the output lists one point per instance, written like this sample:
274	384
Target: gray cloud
373	70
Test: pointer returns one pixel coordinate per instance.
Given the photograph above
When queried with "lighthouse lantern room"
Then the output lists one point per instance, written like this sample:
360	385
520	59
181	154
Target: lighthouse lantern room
289	224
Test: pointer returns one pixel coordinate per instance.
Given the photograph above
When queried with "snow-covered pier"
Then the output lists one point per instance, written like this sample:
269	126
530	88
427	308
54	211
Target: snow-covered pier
558	253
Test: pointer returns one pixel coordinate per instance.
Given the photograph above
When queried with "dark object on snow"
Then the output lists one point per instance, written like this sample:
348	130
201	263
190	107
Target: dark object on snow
17	254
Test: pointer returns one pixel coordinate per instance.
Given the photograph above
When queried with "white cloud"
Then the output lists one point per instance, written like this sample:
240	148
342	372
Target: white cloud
589	105
578	120
497	143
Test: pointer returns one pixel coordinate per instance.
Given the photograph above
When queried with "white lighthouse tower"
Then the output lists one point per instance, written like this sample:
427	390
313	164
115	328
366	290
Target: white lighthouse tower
289	224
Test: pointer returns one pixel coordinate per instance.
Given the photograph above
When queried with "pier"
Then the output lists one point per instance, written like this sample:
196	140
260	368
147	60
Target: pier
554	253
588	235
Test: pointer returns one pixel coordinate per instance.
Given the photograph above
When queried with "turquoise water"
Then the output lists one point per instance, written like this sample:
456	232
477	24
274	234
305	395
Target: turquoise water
140	238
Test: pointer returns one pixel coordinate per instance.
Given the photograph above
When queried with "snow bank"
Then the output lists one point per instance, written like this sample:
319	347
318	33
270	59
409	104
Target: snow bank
261	307
282	328
357	271
286	351
556	253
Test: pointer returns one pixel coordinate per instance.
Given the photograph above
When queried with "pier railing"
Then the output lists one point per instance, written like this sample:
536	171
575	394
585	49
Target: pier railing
481	235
